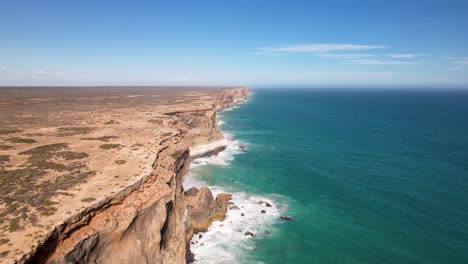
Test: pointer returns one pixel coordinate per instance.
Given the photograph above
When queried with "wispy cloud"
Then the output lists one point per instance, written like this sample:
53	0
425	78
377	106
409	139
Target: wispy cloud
406	55
185	78
322	48
2	68
461	60
40	72
345	56
377	62
458	60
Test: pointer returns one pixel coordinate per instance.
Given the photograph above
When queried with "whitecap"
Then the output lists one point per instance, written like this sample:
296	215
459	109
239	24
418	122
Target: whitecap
226	242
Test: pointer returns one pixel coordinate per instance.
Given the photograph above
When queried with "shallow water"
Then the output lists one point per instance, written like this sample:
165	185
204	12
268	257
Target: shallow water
369	177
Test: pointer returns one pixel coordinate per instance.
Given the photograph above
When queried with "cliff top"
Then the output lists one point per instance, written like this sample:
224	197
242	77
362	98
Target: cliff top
64	149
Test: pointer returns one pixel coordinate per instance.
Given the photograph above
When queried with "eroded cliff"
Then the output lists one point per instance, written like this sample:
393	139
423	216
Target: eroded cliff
146	220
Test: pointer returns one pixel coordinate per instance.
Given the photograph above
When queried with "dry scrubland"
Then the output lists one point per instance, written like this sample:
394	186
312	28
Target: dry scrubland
62	149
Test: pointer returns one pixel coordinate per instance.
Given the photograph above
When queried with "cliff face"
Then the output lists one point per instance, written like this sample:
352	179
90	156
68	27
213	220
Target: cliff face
148	221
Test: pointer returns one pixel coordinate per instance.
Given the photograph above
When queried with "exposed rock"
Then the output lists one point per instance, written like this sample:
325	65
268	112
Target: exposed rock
149	224
242	214
150	219
189	256
248	233
203	209
191	192
234	207
267	204
263	211
286	218
242	147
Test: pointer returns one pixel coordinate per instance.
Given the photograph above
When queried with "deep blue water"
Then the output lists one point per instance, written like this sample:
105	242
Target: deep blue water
368	176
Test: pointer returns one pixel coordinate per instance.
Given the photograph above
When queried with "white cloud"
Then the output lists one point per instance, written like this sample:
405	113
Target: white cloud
458	60
322	48
345	56
332	75
185	78
38	72
377	62
2	68
461	61
406	55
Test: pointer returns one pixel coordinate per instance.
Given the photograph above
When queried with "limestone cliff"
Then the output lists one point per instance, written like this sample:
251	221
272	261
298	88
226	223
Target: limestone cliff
147	221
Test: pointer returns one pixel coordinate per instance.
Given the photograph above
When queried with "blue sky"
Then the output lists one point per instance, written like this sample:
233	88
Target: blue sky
254	43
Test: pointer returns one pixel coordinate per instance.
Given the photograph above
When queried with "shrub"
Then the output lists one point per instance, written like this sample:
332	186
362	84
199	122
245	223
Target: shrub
88	200
71	131
14	225
103	138
8	131
110	146
21	140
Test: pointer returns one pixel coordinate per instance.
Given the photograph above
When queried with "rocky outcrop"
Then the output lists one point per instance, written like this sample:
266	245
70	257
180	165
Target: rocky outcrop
203	209
152	220
143	222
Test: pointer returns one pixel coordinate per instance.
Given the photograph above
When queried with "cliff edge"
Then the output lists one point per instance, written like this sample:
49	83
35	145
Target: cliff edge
99	180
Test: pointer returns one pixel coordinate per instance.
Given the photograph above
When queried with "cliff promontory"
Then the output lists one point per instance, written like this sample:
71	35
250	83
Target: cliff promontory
95	175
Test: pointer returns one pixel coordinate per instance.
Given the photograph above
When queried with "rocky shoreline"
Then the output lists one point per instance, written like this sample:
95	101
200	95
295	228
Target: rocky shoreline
152	218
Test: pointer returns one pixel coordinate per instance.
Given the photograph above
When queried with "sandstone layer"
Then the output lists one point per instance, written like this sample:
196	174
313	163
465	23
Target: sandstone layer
94	175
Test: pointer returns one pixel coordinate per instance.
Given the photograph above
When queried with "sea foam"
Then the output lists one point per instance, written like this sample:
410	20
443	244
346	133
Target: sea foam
226	242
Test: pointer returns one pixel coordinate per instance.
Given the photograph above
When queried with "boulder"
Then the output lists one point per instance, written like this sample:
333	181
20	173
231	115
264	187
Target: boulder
263	211
191	192
203	209
286	218
248	233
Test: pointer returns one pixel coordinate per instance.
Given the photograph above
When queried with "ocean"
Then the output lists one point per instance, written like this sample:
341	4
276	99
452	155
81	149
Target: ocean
368	176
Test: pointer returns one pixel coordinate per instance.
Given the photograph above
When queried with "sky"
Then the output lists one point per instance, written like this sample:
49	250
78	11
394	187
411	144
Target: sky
254	43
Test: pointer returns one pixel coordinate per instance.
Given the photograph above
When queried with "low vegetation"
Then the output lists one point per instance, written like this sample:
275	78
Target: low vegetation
155	121
71	155
72	131
103	138
49	170
8	131
4	241
14	225
21	140
110	146
4	159
120	162
88	200
5	147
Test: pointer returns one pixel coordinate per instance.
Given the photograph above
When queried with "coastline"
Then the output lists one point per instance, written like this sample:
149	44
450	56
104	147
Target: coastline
249	215
147	215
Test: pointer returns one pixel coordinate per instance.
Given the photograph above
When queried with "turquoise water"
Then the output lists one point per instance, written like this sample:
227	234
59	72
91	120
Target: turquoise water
368	176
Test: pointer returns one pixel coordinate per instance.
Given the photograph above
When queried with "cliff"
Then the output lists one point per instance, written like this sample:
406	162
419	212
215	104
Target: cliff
150	218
